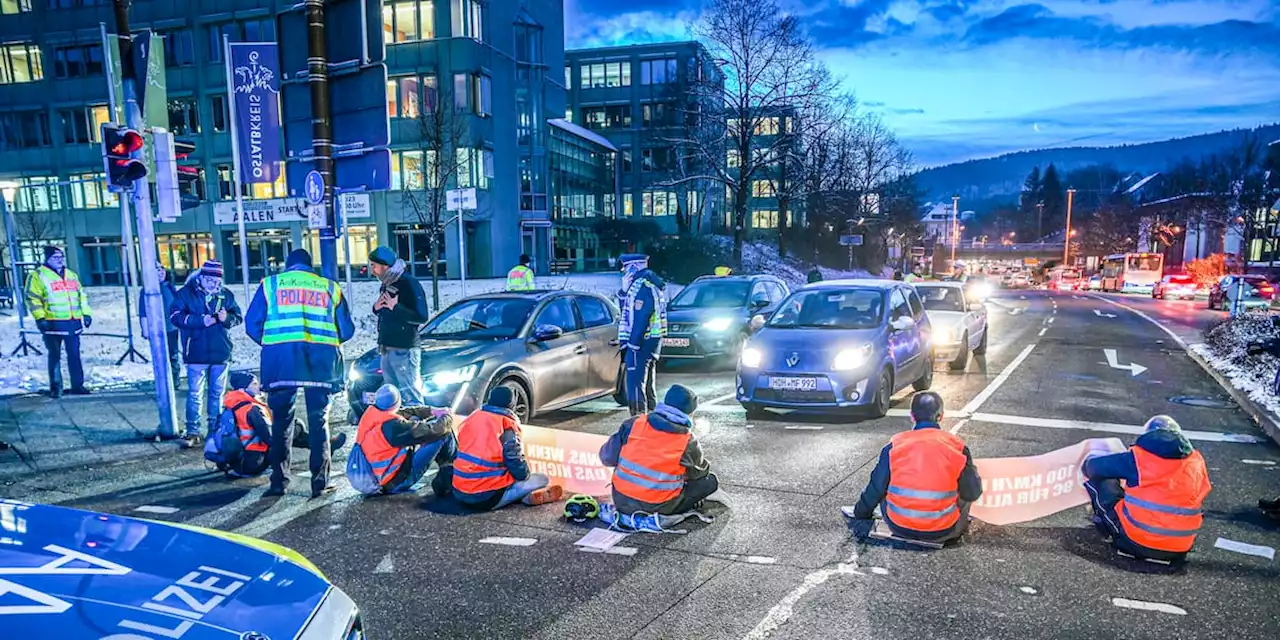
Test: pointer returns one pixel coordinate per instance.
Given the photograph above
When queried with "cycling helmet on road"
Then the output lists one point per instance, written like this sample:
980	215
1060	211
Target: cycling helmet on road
580	508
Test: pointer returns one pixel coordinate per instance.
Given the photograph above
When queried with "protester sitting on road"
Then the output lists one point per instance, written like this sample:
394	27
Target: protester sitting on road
204	312
490	471
253	424
924	482
659	463
1156	513
396	445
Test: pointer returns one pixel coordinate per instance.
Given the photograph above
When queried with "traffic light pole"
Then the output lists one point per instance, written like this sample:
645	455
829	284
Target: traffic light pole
151	296
321	130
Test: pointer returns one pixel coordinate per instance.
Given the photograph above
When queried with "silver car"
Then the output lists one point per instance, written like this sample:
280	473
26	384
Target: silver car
959	322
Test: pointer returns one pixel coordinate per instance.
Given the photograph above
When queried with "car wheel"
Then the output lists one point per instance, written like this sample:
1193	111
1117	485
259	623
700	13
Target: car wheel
925	381
982	346
962	358
884	395
520	399
754	411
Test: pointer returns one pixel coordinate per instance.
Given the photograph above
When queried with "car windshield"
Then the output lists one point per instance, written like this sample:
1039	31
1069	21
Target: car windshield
831	309
941	298
713	293
481	319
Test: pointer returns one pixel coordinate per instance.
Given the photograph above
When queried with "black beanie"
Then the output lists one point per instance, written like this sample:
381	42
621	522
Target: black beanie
681	398
49	250
502	398
241	379
297	257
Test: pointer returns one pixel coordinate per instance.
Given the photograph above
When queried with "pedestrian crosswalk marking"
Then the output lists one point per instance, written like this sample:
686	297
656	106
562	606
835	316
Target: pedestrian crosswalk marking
510	542
1142	605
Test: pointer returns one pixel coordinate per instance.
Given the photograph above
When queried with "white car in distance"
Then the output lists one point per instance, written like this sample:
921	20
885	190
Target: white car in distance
959	322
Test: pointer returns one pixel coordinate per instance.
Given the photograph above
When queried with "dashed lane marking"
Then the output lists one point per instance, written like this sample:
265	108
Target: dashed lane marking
1142	605
385	565
153	508
510	542
1110	427
1031	591
1264	463
986	393
1042	332
803	427
1262	551
880	571
1144	316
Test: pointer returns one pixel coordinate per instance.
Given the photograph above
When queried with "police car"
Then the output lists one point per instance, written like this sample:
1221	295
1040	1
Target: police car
70	574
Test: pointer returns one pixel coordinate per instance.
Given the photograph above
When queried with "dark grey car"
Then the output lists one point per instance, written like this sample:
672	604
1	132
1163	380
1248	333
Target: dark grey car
552	348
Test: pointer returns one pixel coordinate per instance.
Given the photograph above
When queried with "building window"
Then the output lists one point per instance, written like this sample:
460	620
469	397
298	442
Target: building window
226	188
475	168
11	7
24	130
763	189
468	19
473	92
657	114
410	171
413	245
528	41
262	30
20	62
179	49
89	191
75	126
39	194
220	113
77	61
266	190
658	203
184	116
568	77
657	159
408	20
409	96
733	158
658	71
764	219
216	32
606	75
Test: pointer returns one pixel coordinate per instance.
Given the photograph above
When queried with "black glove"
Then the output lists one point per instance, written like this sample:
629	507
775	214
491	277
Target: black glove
862	528
88	321
43	326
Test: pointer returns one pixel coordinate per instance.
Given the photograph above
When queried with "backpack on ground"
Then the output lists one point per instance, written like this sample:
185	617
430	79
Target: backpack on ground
360	473
223	446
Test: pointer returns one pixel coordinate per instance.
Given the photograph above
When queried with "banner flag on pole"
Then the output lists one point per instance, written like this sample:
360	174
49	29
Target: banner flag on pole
255	78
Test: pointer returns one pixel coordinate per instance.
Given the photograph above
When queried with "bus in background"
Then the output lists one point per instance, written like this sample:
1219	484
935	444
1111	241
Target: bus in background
1132	272
1064	279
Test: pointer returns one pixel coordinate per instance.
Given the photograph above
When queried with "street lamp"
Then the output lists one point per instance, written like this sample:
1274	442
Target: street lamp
1066	240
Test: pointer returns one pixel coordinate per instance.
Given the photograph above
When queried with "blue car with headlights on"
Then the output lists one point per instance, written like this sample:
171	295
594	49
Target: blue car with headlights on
838	346
711	318
72	574
552	348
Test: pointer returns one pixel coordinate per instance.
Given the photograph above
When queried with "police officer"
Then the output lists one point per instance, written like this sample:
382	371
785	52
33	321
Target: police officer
924	482
520	277
300	318
641	329
61	310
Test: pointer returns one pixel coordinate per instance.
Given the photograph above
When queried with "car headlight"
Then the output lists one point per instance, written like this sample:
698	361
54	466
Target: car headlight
717	324
852	358
353	374
944	334
751	358
983	290
453	376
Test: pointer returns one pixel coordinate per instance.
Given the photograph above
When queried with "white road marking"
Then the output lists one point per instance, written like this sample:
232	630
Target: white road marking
1259	550
727	396
803	427
385	565
1042	332
986	393
751	559
780	613
334	527
1109	427
613	551
1050	321
1265	463
899	413
1103	315
510	542
1113	361
1144	317
880	571
1031	591
1148	606
293	506
955	428
152	508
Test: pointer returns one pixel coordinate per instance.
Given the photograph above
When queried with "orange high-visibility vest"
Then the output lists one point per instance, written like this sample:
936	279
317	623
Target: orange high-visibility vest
924	480
385	459
479	466
241	403
649	468
1163	511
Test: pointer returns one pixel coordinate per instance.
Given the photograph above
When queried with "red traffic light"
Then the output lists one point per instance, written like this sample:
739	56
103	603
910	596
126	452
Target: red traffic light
126	142
120	146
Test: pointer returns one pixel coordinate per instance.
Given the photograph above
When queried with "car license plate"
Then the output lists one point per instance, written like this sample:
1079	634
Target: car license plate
675	342
794	384
367	397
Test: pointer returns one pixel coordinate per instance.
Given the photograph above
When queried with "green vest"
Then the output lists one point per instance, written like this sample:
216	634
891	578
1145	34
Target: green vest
520	278
301	307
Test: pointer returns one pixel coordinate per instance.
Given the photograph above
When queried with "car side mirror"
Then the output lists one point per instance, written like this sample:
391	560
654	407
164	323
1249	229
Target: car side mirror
547	332
757	323
902	323
759	303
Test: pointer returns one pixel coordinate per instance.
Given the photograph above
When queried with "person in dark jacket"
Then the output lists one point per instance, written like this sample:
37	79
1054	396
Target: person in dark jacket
406	440
1165	483
814	275
402	310
253	424
490	470
60	307
167	293
204	312
641	327
906	500
635	455
300	319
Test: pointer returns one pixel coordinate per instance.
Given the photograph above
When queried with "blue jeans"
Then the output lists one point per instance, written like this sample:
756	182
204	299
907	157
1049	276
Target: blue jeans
402	369
215	375
521	490
441	451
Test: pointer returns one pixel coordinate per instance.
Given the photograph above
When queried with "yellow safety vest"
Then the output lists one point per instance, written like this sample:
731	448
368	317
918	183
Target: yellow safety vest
520	278
301	307
54	297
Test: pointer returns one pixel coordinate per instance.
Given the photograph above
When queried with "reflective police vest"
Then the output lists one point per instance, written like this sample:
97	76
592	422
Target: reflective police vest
657	319
924	479
649	468
385	459
479	466
1163	511
301	307
241	403
520	278
54	297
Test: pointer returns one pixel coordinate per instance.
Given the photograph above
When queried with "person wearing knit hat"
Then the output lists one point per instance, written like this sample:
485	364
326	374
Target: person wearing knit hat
300	318
60	307
401	309
520	277
204	312
253	425
396	446
490	471
1148	498
659	466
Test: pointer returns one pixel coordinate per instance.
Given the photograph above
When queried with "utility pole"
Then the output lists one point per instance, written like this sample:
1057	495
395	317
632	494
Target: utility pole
1066	241
321	130
955	229
151	298
1039	222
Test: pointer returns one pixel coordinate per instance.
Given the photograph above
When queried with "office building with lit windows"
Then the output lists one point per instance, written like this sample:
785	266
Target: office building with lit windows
487	61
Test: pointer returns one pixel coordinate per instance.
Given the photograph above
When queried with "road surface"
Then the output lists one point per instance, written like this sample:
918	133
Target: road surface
778	561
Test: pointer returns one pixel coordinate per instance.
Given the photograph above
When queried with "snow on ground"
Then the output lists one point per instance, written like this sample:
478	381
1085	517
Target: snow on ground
762	257
1226	350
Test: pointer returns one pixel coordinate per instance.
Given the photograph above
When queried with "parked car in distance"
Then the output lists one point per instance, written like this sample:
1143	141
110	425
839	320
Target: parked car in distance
1256	292
553	349
838	346
711	318
1095	282
959	322
1175	286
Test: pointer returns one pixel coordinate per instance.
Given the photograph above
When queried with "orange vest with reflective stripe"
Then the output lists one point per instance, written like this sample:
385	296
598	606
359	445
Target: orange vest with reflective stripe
924	479
241	403
649	468
479	466
385	459
1163	511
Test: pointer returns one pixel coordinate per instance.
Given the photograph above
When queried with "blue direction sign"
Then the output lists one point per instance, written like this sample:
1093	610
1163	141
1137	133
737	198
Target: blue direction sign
313	187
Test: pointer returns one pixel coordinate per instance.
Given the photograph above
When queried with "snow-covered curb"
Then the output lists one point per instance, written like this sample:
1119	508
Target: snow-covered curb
1249	378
